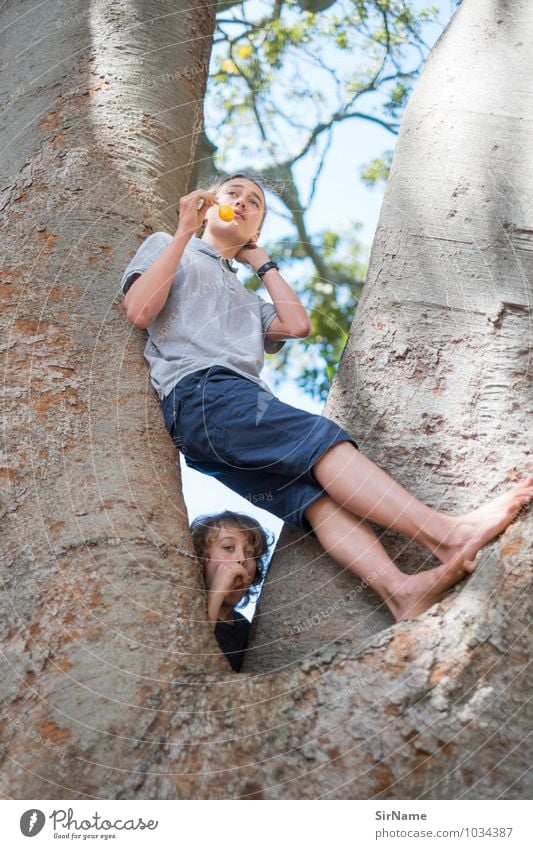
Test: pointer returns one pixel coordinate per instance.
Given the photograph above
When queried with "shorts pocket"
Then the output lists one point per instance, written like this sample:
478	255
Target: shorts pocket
216	438
203	445
255	447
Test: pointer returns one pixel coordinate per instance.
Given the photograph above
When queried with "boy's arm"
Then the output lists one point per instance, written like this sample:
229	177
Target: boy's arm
292	320
214	603
147	296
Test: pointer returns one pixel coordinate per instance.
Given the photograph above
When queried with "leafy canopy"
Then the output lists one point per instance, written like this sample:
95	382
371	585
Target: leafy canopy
284	75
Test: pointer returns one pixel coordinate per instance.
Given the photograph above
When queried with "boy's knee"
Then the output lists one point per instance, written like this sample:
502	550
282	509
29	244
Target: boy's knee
318	511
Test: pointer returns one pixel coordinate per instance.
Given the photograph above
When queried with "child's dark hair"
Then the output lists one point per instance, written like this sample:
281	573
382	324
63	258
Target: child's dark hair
203	530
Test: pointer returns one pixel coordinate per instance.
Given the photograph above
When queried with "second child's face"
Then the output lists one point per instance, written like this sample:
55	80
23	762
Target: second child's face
230	545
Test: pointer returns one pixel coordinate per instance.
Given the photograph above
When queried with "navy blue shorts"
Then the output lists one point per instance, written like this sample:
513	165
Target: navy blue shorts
233	429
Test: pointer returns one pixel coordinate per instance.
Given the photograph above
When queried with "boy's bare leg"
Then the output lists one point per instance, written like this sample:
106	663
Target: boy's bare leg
356	483
353	545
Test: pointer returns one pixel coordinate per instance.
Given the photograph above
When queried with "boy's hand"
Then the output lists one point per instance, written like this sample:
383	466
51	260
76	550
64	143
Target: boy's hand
228	578
193	208
253	256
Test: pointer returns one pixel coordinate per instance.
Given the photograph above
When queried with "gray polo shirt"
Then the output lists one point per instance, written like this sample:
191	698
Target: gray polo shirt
209	318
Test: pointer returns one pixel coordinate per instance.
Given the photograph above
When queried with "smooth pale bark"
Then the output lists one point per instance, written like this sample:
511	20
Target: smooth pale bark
432	708
102	603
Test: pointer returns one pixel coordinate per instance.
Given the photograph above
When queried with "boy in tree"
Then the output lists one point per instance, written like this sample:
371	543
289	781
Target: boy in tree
232	548
207	337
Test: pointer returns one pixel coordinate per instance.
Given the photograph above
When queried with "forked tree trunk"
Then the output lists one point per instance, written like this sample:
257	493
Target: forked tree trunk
431	708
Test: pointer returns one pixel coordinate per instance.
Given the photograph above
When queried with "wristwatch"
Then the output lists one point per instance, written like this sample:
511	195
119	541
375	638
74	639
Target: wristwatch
266	267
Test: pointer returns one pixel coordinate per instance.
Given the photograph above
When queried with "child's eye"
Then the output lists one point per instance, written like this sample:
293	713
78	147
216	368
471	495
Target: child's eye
228	548
255	203
250	553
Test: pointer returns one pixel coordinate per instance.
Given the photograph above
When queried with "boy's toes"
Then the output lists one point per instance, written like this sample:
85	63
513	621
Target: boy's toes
469	566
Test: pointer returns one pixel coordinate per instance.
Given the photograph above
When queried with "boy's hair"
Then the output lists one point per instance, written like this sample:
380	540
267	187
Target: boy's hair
222	179
203	530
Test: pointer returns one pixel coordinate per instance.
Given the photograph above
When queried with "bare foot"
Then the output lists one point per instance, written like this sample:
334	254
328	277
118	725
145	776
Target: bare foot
475	529
466	536
420	592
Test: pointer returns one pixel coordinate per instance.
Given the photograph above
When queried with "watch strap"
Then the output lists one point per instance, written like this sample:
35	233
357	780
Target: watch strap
266	267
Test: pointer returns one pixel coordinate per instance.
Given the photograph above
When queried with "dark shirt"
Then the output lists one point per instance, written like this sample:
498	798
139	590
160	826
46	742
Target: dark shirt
232	638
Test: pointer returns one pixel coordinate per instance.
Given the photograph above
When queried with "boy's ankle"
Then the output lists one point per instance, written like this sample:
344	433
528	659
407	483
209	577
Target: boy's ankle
436	532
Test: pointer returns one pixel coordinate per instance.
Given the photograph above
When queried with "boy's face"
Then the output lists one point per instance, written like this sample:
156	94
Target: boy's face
248	203
230	545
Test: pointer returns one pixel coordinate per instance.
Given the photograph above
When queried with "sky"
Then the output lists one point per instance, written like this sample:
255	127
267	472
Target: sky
341	197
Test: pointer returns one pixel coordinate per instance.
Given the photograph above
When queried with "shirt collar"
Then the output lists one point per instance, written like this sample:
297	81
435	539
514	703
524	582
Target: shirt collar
205	248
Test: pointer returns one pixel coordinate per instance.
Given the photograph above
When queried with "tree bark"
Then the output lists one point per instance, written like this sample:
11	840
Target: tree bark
433	708
102	603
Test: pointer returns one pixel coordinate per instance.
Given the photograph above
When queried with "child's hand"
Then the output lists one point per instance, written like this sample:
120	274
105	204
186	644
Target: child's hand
228	578
252	255
193	208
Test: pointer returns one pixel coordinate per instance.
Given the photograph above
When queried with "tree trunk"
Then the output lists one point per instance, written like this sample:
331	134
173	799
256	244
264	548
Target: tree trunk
102	604
431	708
